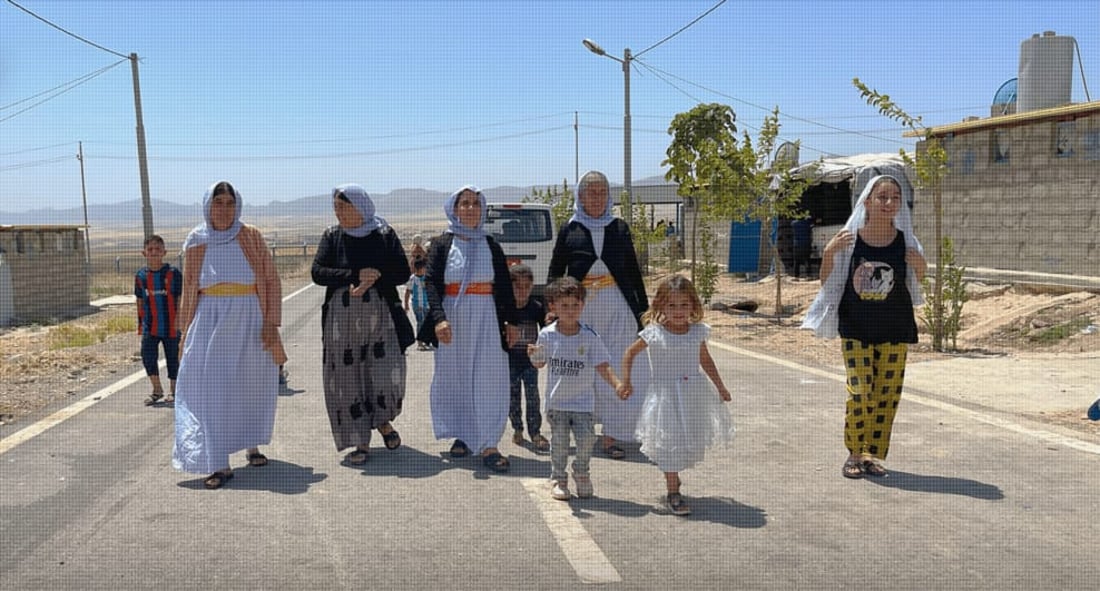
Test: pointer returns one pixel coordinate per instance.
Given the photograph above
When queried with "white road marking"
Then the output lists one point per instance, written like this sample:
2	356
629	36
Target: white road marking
1015	427
33	430
589	562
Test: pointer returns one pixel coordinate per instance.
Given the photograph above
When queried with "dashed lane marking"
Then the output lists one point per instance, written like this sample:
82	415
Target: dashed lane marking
586	558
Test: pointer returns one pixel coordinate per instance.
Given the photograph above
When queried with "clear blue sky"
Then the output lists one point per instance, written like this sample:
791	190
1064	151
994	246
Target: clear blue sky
287	99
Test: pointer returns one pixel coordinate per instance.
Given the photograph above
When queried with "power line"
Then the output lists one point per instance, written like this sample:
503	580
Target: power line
762	108
70	85
35	163
73	35
37	149
681	29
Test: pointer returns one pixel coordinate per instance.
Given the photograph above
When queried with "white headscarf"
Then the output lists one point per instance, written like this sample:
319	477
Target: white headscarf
455	226
822	316
205	233
579	215
362	202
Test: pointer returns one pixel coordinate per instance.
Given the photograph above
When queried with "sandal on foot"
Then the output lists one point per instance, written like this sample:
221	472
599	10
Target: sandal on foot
852	469
540	442
518	439
459	449
169	399
495	462
153	398
391	439
614	452
357	457
217	480
873	468
675	503
256	460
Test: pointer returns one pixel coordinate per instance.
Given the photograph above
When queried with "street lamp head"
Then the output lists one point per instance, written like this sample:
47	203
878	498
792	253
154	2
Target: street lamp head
593	47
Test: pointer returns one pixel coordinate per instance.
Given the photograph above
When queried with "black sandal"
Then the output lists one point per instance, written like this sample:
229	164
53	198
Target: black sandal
256	460
217	480
496	462
459	449
852	469
391	439
357	457
873	468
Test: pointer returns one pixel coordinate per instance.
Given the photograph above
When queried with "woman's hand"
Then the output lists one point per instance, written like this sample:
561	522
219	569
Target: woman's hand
443	332
724	394
916	261
367	277
269	335
843	239
511	334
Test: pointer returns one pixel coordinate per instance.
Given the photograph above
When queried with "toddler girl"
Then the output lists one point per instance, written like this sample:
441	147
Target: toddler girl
682	414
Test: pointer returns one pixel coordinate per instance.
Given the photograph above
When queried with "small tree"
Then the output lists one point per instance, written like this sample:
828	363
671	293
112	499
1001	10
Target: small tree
703	160
931	167
561	204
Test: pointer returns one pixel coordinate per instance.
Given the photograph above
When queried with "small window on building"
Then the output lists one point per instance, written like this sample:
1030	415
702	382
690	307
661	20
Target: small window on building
1002	144
20	243
1065	133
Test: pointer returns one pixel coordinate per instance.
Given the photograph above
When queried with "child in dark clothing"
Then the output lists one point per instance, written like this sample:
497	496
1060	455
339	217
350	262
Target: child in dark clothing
531	317
157	287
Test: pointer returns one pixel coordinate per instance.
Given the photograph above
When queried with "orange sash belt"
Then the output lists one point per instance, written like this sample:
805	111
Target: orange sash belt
483	288
229	289
598	282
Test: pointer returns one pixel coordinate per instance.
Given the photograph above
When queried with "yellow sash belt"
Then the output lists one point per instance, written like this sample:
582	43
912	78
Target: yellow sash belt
598	282
229	289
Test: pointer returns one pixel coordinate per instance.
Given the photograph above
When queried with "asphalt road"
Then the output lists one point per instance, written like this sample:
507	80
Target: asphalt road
970	503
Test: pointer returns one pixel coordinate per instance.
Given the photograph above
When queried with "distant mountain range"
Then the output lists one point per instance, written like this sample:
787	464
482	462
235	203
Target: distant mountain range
165	213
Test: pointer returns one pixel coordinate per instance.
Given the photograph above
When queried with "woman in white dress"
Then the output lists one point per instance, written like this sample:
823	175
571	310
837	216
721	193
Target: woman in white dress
230	313
596	249
471	309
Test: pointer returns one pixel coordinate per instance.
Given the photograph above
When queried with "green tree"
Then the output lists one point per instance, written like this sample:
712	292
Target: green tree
561	203
931	167
703	159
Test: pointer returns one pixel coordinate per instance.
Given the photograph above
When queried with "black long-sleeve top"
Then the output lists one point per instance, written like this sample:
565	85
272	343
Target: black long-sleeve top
341	256
574	254
435	287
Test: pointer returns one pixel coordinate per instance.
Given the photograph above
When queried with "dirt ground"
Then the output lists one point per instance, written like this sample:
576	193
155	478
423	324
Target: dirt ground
999	320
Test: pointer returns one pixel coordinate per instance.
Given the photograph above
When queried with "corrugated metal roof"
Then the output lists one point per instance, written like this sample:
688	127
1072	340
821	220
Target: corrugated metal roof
1013	119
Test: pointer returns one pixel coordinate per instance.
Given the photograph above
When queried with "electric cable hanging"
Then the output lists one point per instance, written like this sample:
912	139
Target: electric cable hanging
681	29
71	85
73	35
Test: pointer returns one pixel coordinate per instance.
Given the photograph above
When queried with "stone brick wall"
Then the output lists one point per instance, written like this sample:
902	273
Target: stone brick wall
1022	198
48	274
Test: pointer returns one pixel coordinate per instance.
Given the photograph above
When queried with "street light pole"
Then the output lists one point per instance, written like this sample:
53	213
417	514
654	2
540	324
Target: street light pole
625	61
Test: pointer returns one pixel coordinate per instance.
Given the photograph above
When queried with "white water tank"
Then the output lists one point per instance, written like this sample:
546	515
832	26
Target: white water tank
1046	72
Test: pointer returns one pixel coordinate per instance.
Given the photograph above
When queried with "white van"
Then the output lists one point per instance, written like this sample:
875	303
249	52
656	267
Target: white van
526	232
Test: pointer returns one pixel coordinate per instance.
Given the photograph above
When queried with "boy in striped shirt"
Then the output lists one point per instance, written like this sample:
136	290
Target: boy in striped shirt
158	286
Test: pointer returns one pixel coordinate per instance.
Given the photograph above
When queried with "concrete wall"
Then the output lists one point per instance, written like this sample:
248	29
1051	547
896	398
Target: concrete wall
48	275
1022	198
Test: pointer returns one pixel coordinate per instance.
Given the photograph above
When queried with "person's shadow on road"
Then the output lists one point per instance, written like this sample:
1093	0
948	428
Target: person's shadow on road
277	477
724	511
939	484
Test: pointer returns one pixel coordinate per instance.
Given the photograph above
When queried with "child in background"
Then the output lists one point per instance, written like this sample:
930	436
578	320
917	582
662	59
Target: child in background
682	414
157	287
575	355
414	290
530	317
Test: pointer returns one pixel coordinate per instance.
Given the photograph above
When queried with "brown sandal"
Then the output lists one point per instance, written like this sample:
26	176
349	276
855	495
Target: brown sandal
852	469
873	468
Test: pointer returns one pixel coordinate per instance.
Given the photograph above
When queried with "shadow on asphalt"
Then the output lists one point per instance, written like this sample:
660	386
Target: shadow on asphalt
724	511
939	484
408	462
277	477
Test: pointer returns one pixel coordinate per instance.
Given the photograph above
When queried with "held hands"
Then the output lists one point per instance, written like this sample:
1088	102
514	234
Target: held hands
367	277
624	390
443	332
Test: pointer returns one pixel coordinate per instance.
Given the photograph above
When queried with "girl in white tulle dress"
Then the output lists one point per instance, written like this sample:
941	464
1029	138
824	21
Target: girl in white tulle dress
683	413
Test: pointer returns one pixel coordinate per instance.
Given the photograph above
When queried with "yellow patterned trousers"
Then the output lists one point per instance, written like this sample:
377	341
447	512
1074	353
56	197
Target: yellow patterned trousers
875	376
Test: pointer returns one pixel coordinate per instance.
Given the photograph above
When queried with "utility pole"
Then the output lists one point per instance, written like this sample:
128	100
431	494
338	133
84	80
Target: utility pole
143	164
576	150
84	197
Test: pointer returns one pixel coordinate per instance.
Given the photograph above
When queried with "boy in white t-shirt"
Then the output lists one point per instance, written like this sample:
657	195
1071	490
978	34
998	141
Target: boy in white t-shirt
575	355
